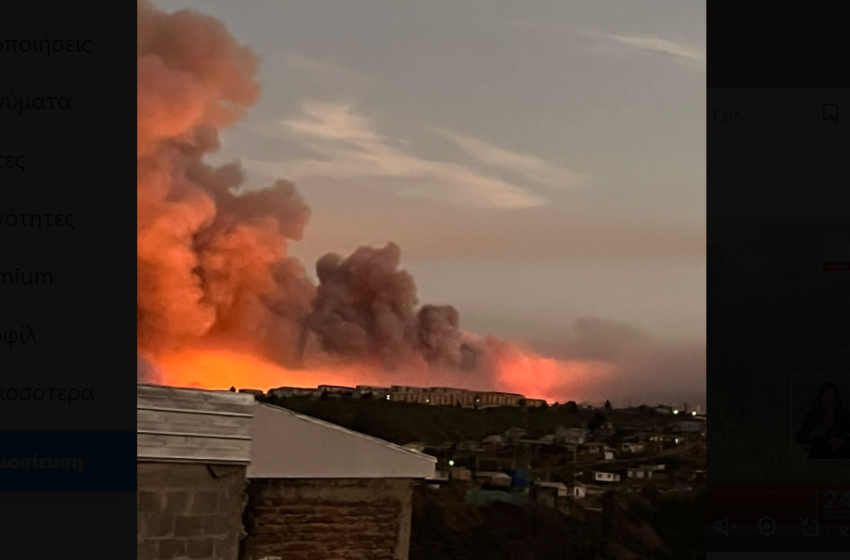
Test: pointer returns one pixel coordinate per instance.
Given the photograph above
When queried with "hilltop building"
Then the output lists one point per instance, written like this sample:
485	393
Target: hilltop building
437	396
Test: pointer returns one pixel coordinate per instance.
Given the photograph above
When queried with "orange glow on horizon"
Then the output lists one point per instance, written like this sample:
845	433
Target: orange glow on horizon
224	369
552	380
518	371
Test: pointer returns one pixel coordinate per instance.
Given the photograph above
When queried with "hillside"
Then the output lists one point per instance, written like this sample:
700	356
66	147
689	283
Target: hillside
406	422
634	528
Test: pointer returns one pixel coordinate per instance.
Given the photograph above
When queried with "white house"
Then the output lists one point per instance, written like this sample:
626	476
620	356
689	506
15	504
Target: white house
599	476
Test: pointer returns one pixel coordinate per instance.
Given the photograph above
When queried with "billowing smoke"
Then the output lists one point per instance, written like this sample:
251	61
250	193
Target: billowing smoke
365	306
213	264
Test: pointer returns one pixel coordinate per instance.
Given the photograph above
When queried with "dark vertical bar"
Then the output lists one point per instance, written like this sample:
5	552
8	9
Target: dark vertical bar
777	85
67	420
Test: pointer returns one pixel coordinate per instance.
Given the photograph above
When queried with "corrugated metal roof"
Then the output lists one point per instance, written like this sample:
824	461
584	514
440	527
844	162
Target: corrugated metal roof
291	445
191	425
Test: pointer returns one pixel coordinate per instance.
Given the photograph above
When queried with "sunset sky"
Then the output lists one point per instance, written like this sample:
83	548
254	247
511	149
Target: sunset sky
538	162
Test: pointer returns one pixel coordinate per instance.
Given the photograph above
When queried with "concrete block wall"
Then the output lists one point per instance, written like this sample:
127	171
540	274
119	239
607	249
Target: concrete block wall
189	511
328	519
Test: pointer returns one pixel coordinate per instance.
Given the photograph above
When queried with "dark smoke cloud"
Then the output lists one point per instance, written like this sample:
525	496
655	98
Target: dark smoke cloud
366	306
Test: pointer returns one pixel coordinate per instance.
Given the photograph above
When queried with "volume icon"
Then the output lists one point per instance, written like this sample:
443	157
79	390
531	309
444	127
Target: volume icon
722	526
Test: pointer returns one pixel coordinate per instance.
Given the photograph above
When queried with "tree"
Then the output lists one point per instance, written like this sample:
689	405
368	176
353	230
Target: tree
572	406
596	422
323	396
607	406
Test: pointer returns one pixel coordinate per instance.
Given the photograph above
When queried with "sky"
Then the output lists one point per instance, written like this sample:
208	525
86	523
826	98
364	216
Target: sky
539	163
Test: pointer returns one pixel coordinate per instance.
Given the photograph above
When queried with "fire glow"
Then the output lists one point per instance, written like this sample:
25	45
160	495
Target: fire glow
516	371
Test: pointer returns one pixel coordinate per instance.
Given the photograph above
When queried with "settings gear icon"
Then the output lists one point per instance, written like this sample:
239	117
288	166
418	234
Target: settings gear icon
767	526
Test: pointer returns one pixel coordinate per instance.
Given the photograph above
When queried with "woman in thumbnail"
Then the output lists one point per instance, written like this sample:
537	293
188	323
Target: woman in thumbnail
826	429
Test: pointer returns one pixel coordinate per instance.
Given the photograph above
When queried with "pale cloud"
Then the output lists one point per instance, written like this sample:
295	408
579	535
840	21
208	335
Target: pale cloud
652	43
348	147
529	167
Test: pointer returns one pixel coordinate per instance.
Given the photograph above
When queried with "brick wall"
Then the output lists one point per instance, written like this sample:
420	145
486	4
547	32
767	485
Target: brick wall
328	519
189	511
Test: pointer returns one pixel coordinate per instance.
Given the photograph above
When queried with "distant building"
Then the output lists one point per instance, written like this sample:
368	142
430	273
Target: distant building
692	426
460	474
255	392
606	430
548	493
559	488
571	436
286	392
593	448
632	448
493	398
370	391
495	479
577	490
639	473
336	390
599	476
643	437
437	396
